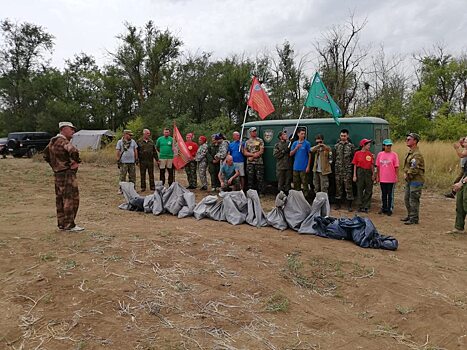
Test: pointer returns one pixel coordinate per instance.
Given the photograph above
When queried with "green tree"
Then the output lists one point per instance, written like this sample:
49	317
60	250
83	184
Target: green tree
22	62
341	58
143	55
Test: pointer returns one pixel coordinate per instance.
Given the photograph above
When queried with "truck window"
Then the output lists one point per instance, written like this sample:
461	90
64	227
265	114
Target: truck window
378	139
385	133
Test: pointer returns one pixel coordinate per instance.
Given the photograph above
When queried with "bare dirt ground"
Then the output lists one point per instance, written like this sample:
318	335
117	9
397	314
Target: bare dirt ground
136	281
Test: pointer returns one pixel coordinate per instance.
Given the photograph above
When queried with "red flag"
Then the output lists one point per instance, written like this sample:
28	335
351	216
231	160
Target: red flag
259	100
181	153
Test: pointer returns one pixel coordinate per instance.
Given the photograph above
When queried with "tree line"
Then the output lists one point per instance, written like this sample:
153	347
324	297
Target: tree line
151	81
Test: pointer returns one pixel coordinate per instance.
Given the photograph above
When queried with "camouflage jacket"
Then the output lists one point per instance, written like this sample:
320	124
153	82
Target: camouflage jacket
253	146
212	151
223	150
414	166
59	153
147	150
343	156
201	153
282	154
324	154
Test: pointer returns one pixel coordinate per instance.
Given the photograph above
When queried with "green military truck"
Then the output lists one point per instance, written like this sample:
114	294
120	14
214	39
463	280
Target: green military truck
376	129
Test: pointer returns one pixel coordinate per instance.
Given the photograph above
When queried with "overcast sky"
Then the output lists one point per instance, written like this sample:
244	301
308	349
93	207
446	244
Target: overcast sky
225	27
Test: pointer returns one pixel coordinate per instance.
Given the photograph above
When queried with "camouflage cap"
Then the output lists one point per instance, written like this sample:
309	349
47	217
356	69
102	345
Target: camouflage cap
414	135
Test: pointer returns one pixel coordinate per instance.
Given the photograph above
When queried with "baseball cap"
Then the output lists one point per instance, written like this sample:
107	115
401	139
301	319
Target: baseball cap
127	131
387	142
414	136
363	142
281	133
63	124
253	128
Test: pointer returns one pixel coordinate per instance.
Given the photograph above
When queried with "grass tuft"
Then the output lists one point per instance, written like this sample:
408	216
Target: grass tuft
277	303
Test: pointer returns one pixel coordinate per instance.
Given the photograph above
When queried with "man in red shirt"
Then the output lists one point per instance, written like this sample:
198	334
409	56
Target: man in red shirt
190	167
363	175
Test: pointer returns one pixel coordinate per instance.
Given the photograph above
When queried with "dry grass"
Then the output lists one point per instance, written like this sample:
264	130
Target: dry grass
103	157
441	163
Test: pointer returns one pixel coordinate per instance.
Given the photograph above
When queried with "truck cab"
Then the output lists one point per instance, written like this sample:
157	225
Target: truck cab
376	129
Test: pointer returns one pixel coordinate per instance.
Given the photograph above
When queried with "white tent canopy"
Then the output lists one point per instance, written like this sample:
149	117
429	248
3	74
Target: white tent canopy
90	139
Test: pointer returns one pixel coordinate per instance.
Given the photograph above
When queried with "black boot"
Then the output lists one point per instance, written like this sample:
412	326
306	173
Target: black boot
349	205
338	204
162	174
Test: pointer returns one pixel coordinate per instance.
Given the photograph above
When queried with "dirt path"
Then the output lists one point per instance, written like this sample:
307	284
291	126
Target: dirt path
136	281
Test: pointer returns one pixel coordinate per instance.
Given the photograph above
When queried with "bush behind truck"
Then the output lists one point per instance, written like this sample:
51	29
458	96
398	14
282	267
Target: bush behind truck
376	129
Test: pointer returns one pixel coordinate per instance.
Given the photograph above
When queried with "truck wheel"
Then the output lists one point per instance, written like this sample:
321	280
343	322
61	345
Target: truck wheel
31	152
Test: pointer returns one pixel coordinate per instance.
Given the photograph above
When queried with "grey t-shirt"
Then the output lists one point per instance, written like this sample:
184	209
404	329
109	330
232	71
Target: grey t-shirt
128	156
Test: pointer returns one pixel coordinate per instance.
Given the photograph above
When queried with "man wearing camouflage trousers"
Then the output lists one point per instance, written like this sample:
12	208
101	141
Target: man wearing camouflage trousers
414	175
283	165
190	167
253	151
343	155
202	161
127	157
64	160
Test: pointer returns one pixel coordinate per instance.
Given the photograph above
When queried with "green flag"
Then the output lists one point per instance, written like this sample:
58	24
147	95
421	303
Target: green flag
318	96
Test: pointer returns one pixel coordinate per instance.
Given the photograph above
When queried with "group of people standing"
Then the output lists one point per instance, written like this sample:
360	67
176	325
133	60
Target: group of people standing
300	161
223	160
238	165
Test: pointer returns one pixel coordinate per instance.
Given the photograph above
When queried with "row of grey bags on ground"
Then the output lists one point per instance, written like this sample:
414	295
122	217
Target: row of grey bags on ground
236	207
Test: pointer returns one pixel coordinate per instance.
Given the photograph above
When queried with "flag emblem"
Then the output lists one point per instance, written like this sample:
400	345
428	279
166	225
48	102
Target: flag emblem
259	100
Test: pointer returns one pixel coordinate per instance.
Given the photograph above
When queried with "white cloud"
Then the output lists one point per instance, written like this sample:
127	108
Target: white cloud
228	26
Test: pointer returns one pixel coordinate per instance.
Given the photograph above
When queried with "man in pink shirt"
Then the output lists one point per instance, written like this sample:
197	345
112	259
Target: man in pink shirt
387	163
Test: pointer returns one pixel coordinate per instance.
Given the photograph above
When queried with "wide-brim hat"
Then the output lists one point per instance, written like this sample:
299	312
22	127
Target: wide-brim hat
63	124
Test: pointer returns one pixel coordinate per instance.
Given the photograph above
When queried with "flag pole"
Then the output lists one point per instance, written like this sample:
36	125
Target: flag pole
296	126
241	134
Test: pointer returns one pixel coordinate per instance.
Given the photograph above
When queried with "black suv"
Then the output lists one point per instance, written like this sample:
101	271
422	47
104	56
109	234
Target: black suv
27	143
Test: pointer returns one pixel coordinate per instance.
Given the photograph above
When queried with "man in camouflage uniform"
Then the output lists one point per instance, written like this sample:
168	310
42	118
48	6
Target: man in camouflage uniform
414	175
213	163
190	167
127	157
64	160
202	161
283	165
253	151
147	154
223	147
343	155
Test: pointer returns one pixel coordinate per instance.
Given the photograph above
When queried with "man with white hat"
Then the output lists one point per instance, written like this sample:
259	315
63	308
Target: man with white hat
64	160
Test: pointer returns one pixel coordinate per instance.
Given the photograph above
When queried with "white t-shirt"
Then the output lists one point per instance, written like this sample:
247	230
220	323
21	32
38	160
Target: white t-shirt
128	156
